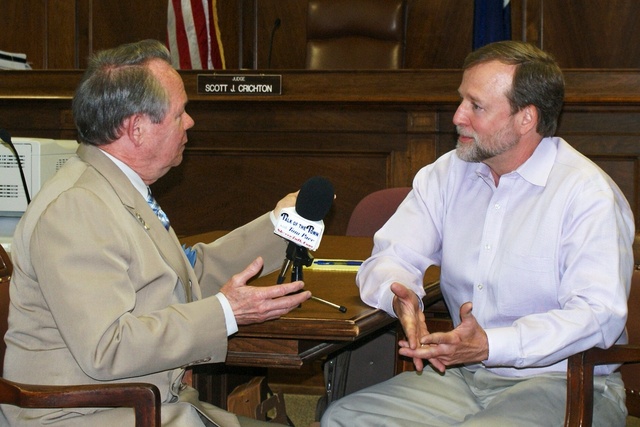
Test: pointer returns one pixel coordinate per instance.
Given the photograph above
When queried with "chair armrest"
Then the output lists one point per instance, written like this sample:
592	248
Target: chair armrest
143	398
580	379
433	293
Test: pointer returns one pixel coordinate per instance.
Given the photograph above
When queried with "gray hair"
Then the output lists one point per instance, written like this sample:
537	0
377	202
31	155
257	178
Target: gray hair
537	81
116	85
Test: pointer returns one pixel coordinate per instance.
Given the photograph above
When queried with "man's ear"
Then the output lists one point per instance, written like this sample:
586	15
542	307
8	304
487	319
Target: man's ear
528	119
132	126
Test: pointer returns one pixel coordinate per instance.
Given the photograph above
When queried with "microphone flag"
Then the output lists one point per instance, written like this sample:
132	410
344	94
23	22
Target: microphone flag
301	231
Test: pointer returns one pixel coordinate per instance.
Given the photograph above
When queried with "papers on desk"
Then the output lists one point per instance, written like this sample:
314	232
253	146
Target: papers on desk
13	61
336	265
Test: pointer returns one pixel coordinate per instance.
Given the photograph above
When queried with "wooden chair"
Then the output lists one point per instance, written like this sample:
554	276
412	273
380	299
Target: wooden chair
143	398
356	34
580	369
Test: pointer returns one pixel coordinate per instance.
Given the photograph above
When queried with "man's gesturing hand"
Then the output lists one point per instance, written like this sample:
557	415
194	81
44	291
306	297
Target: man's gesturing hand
255	304
467	343
407	309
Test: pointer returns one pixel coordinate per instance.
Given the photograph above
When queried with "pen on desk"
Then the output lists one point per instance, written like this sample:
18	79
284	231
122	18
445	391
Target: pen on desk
336	262
342	308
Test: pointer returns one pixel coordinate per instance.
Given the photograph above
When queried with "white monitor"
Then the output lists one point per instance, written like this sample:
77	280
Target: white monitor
40	159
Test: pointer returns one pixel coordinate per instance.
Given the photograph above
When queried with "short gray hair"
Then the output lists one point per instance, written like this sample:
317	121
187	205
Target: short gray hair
116	85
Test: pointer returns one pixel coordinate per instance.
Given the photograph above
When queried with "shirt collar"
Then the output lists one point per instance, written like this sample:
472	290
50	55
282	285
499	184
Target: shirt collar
535	169
135	179
538	167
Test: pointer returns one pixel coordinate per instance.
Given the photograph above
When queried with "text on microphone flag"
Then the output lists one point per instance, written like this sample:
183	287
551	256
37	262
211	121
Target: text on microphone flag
295	228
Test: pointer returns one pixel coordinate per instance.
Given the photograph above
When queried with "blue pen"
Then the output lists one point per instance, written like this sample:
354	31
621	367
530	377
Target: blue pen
336	262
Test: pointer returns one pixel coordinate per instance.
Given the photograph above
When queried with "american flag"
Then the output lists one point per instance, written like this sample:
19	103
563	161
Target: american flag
193	35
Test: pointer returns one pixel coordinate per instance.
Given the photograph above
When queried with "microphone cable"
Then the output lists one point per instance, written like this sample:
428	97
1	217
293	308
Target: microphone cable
6	138
276	25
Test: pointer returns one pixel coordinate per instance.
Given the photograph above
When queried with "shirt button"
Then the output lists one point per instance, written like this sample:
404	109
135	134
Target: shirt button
480	286
497	206
487	247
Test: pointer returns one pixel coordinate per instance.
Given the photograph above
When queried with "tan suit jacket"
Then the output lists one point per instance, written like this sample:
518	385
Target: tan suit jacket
101	292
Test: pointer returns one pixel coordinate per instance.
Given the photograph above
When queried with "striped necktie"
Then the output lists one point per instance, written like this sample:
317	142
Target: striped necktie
189	252
157	209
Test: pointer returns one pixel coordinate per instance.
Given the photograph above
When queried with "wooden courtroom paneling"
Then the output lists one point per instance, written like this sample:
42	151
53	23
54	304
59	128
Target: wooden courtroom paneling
43	29
439	32
362	130
60	34
436	35
117	22
586	34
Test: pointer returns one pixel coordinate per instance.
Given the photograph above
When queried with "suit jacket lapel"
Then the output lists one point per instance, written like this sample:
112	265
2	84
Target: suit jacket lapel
166	242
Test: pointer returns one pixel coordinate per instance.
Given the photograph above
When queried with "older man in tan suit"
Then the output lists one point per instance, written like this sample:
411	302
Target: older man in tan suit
102	292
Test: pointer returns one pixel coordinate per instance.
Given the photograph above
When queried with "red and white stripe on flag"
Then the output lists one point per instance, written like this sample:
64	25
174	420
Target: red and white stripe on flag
193	35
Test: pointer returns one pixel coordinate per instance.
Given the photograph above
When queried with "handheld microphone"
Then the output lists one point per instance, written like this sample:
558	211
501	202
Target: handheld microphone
303	228
276	25
6	138
303	225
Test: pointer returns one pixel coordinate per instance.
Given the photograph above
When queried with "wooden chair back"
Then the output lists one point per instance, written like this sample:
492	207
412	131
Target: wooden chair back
143	398
6	269
631	371
581	366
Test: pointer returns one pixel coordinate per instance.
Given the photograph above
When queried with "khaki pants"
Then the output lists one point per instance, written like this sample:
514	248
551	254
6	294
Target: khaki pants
472	399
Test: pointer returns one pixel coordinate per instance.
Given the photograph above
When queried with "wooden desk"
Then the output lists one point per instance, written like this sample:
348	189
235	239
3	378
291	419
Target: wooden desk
306	334
314	329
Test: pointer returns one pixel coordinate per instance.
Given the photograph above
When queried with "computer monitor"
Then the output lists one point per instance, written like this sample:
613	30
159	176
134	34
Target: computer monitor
40	159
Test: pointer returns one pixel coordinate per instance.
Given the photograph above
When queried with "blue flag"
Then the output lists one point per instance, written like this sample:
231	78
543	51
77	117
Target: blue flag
491	22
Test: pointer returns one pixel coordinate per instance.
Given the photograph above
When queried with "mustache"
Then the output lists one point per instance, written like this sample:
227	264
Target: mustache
460	131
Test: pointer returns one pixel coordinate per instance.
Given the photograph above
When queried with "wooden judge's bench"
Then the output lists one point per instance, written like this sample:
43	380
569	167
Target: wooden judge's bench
363	130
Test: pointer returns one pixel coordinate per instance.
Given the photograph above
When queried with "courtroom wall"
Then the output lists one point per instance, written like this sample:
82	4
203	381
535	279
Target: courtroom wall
246	152
60	34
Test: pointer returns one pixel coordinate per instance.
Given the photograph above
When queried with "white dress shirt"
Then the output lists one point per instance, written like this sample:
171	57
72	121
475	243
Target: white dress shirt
545	257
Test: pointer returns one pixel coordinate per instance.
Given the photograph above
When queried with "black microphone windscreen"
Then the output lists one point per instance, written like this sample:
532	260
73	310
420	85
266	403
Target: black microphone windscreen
315	198
4	135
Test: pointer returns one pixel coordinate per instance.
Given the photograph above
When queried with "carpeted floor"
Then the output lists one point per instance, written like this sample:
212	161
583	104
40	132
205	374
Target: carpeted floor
301	408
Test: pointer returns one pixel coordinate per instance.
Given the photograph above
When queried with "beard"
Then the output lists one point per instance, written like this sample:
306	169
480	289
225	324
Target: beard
483	148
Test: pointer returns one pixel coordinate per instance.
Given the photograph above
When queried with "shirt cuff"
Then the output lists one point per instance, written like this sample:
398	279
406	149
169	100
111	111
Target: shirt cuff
386	301
503	346
230	319
273	218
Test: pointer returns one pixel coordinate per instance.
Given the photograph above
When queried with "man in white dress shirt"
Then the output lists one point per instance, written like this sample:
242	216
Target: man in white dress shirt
534	244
